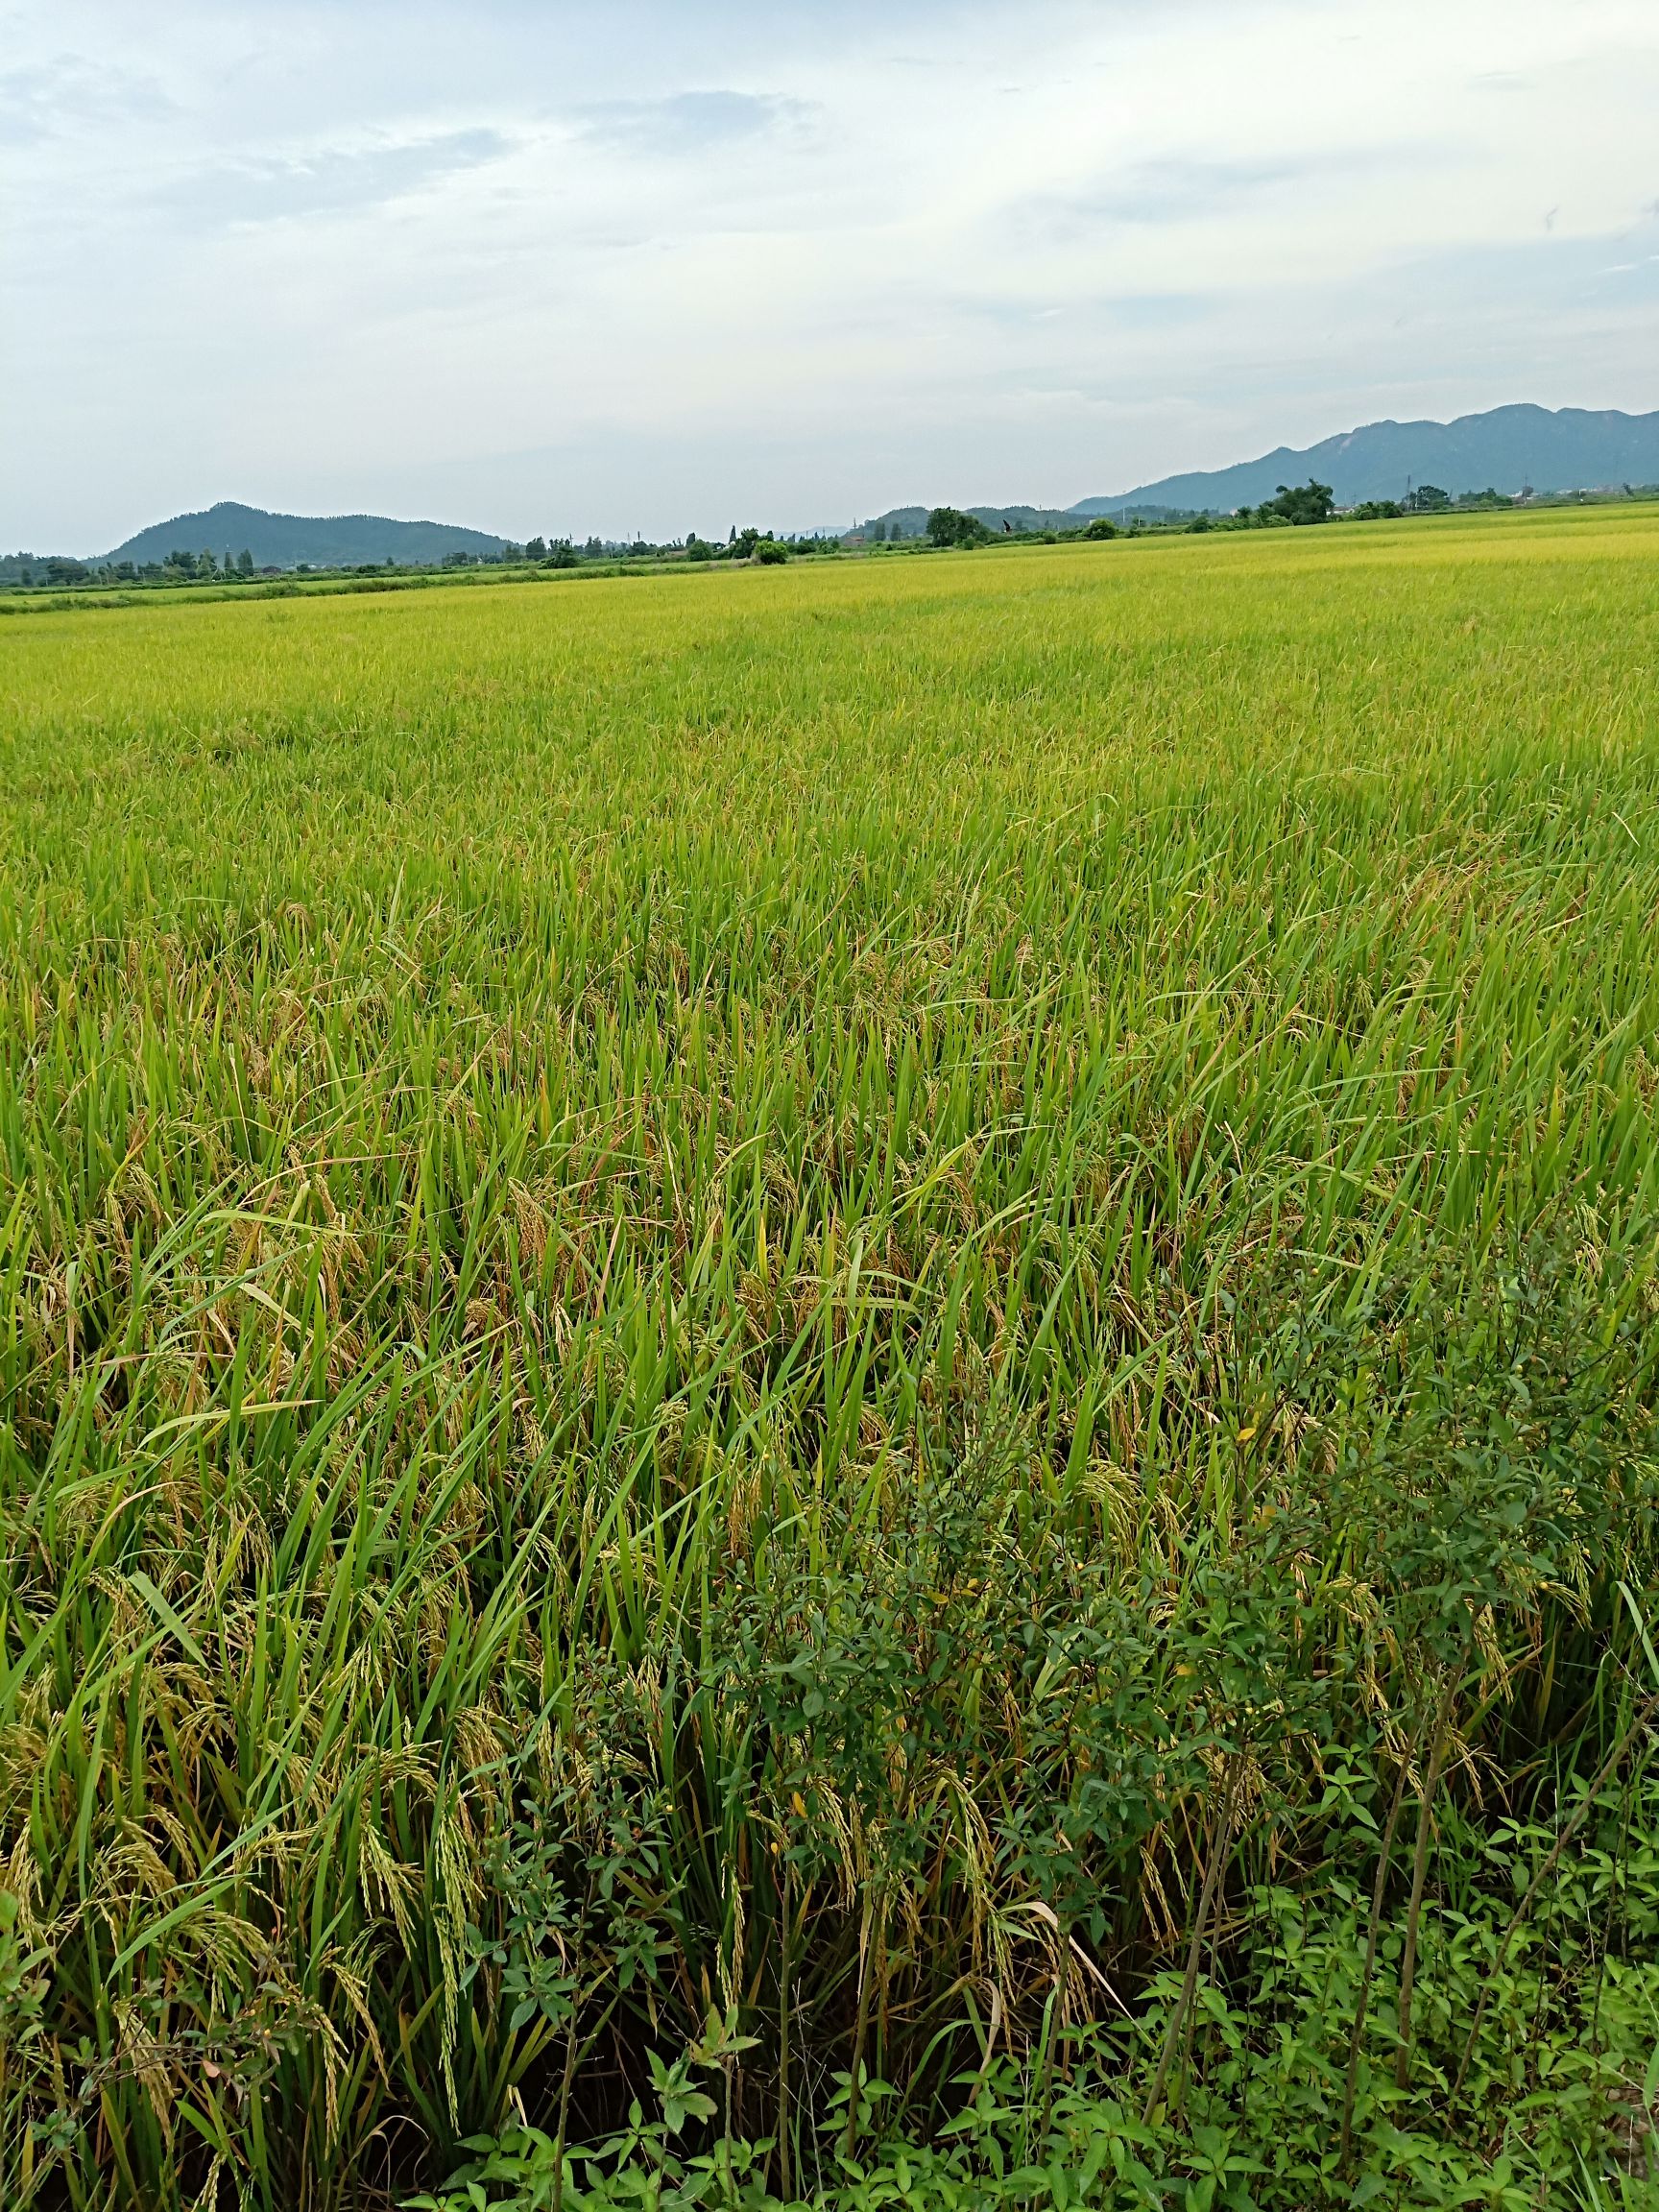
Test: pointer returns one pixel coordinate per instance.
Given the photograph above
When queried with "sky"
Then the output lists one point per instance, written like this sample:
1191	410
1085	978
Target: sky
633	268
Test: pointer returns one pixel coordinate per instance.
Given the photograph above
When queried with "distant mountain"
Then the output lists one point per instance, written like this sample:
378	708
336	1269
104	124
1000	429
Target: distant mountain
285	541
1567	449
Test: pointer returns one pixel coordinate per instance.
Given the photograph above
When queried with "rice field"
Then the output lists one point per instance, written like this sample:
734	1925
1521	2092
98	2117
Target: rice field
838	1382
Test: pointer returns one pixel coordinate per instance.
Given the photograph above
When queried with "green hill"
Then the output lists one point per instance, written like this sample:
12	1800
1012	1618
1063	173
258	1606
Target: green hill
320	540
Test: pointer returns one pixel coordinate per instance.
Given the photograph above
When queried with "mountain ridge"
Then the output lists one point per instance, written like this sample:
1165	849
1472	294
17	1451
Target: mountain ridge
1560	449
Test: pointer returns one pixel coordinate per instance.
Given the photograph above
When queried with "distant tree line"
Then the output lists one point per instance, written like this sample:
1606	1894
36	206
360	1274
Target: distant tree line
763	548
1292	505
766	547
948	529
57	569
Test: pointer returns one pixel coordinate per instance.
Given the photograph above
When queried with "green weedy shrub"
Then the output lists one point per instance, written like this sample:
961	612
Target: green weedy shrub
1254	2121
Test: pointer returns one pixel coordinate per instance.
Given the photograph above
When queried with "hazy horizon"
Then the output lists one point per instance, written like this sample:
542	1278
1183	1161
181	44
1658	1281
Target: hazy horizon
637	269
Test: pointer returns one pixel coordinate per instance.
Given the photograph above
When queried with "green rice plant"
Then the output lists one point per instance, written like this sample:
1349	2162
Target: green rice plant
910	1306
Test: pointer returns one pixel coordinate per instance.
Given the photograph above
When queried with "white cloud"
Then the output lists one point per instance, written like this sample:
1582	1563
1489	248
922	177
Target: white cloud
688	122
319	180
622	265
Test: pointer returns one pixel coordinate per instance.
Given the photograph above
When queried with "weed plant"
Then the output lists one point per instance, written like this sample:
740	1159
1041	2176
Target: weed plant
838	1382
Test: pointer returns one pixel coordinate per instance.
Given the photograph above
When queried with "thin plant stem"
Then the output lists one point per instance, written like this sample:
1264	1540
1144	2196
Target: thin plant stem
856	2078
784	2037
1222	1837
1379	1889
1419	1877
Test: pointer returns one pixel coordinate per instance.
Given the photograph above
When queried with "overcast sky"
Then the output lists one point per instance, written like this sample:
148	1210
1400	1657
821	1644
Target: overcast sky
626	266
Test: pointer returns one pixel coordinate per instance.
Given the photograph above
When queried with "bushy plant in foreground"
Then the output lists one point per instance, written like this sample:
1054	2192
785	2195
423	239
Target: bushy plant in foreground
1558	2087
